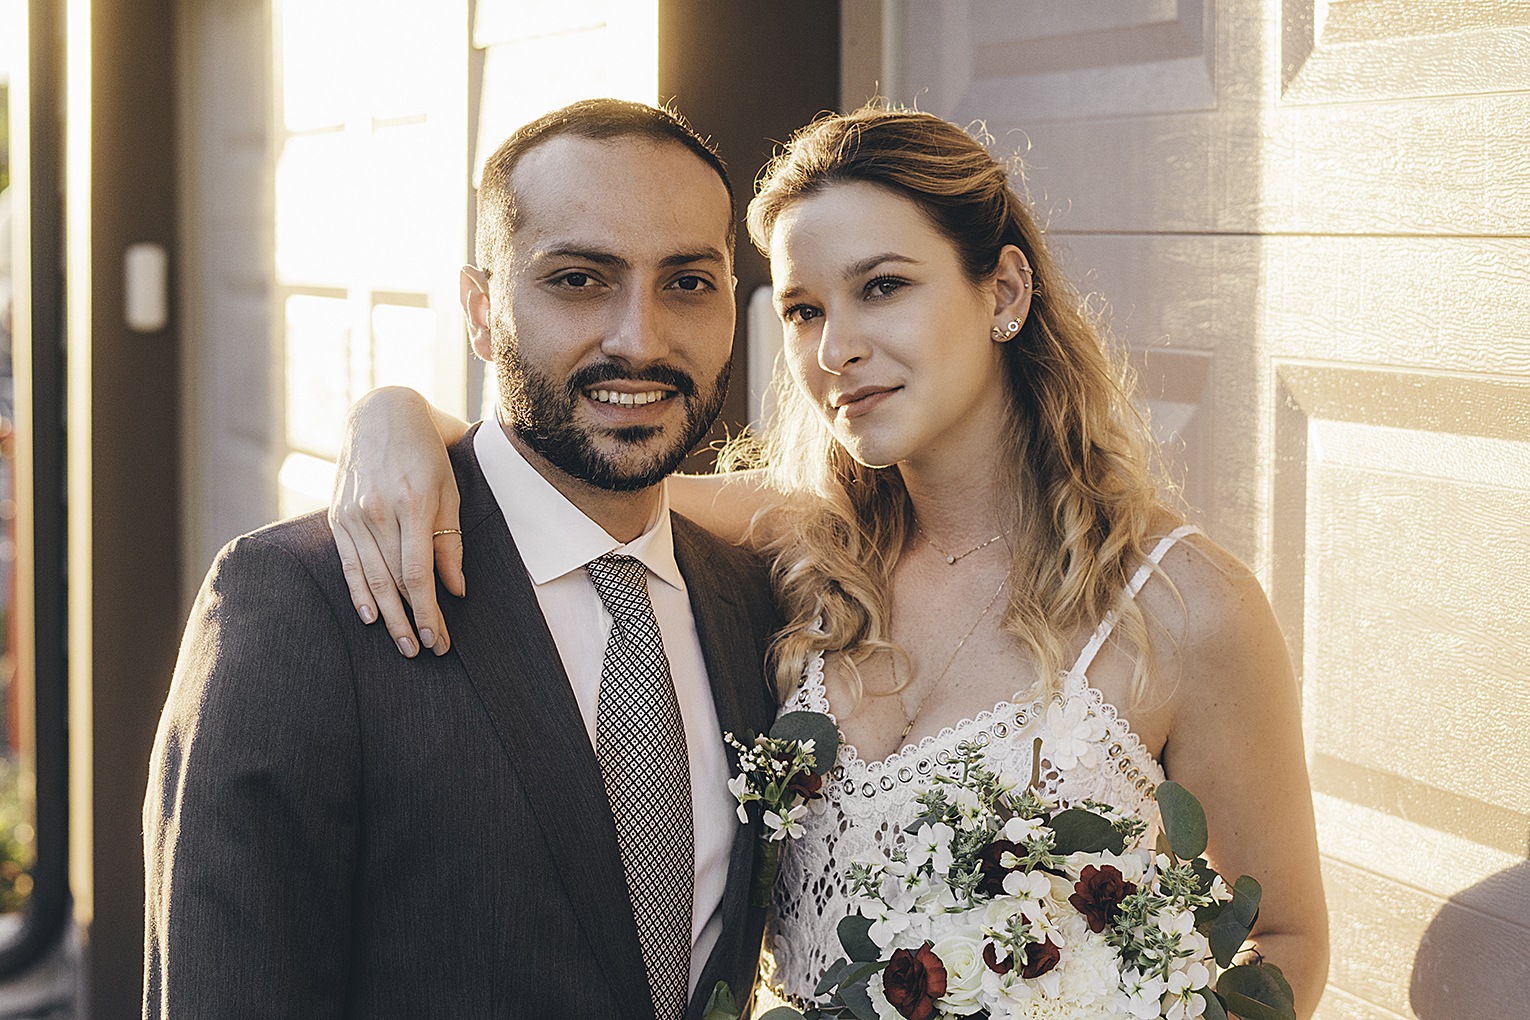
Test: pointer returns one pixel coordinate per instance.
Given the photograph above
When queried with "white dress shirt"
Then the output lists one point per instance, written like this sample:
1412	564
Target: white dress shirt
555	540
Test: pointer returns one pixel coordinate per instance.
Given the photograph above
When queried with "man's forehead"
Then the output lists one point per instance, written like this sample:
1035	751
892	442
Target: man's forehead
591	195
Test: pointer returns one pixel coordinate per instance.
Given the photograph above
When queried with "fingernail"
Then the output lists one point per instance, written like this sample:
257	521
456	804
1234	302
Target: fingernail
406	646
441	649
368	614
427	638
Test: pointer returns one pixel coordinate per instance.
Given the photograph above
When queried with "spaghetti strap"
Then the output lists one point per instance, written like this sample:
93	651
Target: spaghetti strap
1102	632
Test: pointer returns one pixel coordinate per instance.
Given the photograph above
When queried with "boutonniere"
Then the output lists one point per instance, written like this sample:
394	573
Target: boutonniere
783	773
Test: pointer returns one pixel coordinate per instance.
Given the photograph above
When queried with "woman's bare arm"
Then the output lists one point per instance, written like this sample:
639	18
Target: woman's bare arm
1235	741
393	490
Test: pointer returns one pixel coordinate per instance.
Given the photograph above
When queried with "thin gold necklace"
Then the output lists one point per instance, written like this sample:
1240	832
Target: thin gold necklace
954	652
949	558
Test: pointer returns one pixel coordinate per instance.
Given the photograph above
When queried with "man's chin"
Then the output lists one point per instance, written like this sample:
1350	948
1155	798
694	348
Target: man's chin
614	462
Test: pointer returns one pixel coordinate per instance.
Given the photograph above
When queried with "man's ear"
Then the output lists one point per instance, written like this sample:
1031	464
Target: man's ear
473	285
1012	286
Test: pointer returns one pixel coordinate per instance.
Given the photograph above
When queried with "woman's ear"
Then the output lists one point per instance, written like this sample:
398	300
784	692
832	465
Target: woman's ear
473	285
1012	289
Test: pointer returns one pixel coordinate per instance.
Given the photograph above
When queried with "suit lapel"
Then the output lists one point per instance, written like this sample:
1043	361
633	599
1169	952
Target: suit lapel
734	673
510	657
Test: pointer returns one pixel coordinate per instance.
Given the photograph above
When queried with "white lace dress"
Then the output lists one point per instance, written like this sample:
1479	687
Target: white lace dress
1087	752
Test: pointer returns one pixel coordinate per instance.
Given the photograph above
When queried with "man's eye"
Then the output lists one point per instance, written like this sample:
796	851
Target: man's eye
693	283
575	280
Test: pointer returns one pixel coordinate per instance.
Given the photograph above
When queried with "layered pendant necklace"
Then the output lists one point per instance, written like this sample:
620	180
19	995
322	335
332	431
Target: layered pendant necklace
950	559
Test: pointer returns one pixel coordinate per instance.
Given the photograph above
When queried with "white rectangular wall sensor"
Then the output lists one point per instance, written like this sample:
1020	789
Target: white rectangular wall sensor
145	286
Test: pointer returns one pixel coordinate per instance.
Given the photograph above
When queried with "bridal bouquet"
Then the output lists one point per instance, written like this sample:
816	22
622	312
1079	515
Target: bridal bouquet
1004	904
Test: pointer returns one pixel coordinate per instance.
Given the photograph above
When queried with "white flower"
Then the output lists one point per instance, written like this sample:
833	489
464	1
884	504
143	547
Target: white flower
786	823
1018	830
962	953
1219	891
1184	1002
970	806
1145	992
886	925
1007	780
739	787
874	991
932	843
1075	733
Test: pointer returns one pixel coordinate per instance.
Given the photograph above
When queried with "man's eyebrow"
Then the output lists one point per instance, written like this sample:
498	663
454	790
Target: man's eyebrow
580	254
689	258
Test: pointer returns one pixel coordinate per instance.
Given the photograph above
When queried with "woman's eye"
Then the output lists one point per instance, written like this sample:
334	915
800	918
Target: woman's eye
884	286
800	314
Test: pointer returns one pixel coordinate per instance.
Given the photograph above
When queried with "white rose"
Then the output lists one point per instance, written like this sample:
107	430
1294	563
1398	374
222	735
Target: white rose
962	953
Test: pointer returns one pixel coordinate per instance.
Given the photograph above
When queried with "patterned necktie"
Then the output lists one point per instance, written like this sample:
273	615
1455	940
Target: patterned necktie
640	742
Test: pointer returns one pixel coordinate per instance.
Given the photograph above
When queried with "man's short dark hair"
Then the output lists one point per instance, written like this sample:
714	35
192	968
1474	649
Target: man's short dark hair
597	120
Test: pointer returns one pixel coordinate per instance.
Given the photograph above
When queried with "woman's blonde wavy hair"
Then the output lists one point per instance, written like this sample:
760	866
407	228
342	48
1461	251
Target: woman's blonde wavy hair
1085	495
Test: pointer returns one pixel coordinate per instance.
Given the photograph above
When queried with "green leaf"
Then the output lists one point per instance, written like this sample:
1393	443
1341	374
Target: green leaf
859	1001
1229	931
1078	830
1257	991
814	726
858	944
832	975
1184	821
722	1005
779	1013
1214	1009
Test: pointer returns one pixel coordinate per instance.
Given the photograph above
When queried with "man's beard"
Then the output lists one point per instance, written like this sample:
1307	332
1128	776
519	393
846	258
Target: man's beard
542	413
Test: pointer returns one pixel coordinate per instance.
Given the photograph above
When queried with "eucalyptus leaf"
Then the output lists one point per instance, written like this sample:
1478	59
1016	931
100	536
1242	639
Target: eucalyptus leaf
1229	931
1078	830
832	975
859	1001
1214	1009
779	1013
858	944
814	726
1184	820
721	1005
1257	992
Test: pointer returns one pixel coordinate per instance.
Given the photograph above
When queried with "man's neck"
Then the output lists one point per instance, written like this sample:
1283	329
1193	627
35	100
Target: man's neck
623	515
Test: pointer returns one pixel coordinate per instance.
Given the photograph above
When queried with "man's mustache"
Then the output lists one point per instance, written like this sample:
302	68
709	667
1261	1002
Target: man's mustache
594	375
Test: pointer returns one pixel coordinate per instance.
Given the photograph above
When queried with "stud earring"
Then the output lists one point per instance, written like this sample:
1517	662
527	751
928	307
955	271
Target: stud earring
1009	332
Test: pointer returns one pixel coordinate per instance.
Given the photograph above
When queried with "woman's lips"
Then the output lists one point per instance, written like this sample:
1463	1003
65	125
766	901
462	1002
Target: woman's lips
859	402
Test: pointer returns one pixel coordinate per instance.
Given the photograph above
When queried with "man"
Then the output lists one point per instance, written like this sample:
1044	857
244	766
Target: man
536	823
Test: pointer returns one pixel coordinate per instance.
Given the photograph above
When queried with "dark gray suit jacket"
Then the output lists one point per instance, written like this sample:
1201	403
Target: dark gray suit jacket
332	830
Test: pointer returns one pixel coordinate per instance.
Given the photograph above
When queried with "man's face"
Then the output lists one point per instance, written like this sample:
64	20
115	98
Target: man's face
610	321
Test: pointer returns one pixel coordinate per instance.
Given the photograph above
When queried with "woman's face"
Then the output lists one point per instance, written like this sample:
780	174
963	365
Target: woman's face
885	333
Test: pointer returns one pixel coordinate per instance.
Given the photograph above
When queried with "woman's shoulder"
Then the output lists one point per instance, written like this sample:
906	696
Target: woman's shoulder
1212	608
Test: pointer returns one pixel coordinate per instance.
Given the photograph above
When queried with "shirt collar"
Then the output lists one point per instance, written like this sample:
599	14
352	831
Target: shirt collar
553	536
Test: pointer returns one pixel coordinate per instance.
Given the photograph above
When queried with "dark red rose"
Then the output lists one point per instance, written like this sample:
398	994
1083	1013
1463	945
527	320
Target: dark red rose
993	871
991	957
1040	957
913	981
806	785
1098	894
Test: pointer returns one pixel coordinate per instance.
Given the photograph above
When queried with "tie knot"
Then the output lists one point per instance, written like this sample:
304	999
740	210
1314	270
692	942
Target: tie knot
620	581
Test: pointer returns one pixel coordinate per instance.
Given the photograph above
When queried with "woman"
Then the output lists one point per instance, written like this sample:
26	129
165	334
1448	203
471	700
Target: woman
965	535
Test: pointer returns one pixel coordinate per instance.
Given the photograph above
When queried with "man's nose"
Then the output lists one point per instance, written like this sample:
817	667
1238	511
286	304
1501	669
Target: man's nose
637	334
